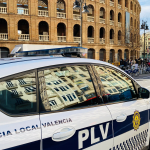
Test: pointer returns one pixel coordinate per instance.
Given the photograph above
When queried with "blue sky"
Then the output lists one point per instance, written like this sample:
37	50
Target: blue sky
145	12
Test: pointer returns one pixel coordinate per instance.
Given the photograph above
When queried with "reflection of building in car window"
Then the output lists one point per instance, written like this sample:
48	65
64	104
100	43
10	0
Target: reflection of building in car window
18	95
116	84
65	89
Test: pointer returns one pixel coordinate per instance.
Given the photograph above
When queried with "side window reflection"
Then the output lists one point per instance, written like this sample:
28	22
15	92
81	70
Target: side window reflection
117	86
18	95
66	87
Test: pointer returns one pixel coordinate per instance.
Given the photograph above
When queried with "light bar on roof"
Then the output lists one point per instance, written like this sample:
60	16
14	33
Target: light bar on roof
65	51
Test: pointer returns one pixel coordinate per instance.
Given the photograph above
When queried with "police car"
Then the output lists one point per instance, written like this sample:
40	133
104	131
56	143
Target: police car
67	103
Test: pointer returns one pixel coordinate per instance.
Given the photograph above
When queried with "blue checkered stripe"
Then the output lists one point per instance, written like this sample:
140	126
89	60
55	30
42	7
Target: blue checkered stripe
134	143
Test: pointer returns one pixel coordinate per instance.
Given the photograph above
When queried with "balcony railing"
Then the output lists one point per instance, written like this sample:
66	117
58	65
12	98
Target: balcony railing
102	1
126	9
77	39
61	38
119	6
43	37
90	40
119	42
3	10
90	19
131	11
119	24
43	13
61	15
23	37
101	20
102	41
22	11
111	41
3	36
76	17
111	22
111	3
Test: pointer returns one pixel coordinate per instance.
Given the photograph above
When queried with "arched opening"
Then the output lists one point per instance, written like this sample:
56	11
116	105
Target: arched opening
119	17
22	7
119	54
102	54
126	54
76	13
3	30
119	35
135	23
61	9
91	53
43	8
76	33
90	34
102	35
131	37
112	0
131	21
90	15
111	15
112	56
126	3
119	2
3	6
43	31
102	13
135	8
4	52
23	30
132	55
131	5
111	34
61	32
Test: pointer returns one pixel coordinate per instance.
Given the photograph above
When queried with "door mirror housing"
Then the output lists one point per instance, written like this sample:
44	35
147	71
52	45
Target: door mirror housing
143	93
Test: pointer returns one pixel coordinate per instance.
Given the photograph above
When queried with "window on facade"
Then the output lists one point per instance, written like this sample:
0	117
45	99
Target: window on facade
66	87
117	86
18	94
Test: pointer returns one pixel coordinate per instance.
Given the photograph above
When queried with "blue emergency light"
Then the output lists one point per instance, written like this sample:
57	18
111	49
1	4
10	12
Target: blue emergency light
55	52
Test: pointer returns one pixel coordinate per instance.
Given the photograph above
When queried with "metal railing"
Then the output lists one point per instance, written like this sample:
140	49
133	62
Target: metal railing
111	41
101	20
111	3
77	39
102	1
3	36
43	13
90	18
111	22
102	41
119	24
3	10
22	11
23	37
131	11
43	37
61	38
76	17
119	6
61	15
90	40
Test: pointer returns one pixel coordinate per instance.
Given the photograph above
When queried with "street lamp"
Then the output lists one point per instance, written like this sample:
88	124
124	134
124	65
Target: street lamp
145	27
78	6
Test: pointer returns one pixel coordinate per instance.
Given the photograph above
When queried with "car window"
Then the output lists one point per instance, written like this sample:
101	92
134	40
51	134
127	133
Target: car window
66	87
18	94
117	86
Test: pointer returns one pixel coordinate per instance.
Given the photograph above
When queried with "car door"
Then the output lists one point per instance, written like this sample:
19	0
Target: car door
72	116
19	119
130	114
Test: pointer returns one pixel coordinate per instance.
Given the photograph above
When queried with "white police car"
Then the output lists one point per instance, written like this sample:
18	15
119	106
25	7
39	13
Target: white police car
70	104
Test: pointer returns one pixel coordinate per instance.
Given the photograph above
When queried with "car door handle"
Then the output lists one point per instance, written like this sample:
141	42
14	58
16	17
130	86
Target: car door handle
121	118
63	134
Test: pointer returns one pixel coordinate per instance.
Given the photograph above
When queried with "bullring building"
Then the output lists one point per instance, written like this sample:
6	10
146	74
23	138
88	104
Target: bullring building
106	28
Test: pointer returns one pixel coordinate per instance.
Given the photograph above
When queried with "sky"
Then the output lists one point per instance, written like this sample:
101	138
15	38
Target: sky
145	12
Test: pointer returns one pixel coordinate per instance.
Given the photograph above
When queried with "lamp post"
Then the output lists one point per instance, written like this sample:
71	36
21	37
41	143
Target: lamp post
78	6
145	27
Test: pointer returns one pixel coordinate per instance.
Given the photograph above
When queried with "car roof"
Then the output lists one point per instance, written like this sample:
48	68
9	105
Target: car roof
10	66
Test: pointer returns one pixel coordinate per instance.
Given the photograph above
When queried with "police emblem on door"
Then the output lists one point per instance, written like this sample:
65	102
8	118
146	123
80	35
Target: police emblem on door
136	120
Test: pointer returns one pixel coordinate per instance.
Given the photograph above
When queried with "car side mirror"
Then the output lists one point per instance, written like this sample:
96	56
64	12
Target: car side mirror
143	93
